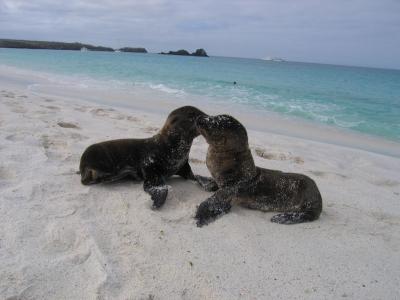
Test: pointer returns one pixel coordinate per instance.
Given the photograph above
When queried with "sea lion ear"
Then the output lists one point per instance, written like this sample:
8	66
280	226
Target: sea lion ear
174	120
221	141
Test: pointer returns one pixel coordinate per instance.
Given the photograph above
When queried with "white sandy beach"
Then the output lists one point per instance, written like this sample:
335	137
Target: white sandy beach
62	240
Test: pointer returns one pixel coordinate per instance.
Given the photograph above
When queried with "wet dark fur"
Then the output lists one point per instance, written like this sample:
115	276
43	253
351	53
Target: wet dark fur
153	159
231	164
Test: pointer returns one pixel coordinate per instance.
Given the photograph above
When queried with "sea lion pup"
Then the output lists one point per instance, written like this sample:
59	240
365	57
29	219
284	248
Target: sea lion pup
231	164
152	159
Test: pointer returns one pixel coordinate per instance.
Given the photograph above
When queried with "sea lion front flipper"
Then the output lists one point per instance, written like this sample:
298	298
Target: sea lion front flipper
206	183
218	204
158	190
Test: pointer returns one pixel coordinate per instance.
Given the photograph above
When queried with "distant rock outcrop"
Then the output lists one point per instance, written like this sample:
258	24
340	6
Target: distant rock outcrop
179	52
198	52
27	44
135	50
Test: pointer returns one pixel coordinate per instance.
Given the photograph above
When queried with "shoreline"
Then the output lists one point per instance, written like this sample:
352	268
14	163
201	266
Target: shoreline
148	99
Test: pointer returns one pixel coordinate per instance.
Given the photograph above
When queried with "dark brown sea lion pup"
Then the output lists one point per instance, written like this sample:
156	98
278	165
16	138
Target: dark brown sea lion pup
152	159
231	164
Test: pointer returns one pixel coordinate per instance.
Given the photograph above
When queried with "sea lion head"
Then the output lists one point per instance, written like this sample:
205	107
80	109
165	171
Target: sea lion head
223	132
181	122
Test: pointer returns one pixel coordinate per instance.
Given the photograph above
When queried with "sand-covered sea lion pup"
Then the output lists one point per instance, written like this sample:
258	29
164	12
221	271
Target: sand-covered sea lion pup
231	164
152	159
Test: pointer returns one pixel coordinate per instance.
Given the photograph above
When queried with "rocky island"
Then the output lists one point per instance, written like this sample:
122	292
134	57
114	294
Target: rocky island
198	52
27	44
133	50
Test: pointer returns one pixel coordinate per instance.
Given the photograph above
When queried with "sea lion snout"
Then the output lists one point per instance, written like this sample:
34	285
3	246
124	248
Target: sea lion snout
201	121
223	123
182	121
203	125
208	122
88	176
222	130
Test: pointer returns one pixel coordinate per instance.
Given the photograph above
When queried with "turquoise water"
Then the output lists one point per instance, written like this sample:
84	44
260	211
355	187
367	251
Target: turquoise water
361	99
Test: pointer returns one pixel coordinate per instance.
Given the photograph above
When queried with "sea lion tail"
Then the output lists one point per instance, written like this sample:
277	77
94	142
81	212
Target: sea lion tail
289	218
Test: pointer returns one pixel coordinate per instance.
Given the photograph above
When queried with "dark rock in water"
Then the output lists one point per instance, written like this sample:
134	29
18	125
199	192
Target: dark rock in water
134	50
198	52
179	52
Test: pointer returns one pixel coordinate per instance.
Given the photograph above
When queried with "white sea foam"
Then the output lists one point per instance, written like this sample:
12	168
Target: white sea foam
346	124
166	89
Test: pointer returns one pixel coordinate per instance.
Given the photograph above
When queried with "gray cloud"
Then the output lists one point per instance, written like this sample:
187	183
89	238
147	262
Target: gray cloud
360	32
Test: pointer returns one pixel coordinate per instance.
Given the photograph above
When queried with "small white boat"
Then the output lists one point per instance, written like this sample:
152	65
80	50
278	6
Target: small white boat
269	58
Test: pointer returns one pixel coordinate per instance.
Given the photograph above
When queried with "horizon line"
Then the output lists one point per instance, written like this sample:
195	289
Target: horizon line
239	57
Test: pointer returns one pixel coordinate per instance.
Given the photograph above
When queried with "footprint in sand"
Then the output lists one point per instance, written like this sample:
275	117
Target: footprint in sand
16	137
318	173
40	113
386	182
6	178
77	136
51	107
324	174
6	173
107	112
54	148
81	108
25	293
382	216
60	237
19	109
15	106
261	152
133	119
8	94
68	125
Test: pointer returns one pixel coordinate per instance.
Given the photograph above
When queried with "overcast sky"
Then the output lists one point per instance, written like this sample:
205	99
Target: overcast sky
351	32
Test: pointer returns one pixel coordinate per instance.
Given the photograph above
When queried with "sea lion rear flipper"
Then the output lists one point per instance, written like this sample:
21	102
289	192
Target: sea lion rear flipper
206	183
157	189
218	204
289	218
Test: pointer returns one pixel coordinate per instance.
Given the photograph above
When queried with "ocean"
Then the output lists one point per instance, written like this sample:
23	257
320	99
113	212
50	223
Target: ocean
360	99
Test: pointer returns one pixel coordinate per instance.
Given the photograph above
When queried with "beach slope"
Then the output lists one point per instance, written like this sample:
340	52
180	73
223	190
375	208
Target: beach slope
62	240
